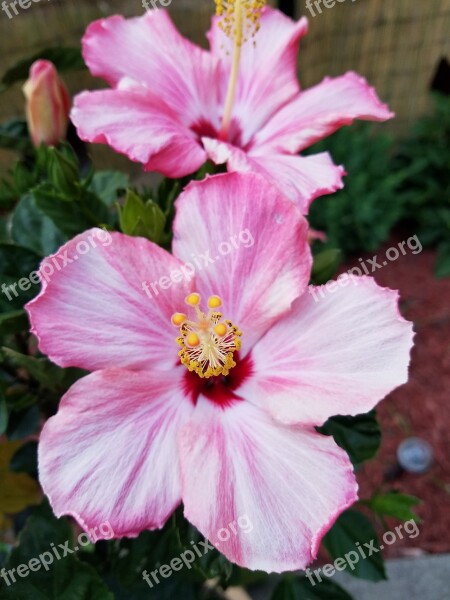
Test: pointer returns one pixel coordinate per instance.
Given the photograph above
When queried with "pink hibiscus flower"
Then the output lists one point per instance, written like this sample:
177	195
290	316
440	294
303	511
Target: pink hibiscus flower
215	410
173	105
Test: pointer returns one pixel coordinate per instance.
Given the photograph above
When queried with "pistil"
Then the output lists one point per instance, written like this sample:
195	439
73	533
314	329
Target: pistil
239	21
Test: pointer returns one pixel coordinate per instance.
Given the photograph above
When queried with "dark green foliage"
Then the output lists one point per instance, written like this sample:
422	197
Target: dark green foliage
389	185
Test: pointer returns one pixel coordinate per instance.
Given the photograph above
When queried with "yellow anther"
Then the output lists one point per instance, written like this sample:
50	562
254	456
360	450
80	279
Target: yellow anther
214	302
193	299
193	340
178	319
221	329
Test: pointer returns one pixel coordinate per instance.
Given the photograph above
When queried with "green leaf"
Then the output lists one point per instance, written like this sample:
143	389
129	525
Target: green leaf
24	423
32	229
40	369
3	415
442	267
14	136
359	436
139	218
64	59
325	265
64	171
394	505
14	321
301	588
67	578
352	527
25	459
71	217
106	185
16	263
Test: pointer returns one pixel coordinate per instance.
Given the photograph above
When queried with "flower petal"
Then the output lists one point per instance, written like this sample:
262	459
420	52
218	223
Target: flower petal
133	123
273	50
339	352
319	112
152	53
279	488
94	313
248	245
302	179
110	454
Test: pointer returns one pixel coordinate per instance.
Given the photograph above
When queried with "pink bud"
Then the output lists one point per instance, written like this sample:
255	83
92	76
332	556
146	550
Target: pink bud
48	104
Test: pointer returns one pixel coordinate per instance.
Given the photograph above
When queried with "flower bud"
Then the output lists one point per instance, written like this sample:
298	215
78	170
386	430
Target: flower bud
48	104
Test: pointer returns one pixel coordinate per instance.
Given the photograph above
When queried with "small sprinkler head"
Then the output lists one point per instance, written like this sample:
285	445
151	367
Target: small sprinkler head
415	455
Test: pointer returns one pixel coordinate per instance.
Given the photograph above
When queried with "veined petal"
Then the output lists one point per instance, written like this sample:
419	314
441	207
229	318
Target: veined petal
95	311
319	112
273	50
247	244
279	488
338	352
302	179
134	123
110	453
150	51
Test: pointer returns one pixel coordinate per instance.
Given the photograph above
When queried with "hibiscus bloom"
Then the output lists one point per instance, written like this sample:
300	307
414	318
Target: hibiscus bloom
173	105
206	389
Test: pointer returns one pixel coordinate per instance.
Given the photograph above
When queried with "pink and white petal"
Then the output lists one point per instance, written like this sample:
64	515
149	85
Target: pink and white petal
339	352
150	51
302	179
110	454
273	50
133	123
95	312
247	244
279	488
319	112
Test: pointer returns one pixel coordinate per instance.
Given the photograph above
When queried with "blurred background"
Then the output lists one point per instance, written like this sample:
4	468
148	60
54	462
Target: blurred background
398	189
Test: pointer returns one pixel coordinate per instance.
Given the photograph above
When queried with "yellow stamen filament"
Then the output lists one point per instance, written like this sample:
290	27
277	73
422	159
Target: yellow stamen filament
239	19
207	343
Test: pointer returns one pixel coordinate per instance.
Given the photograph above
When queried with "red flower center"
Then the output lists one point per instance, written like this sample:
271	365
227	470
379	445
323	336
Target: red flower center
222	390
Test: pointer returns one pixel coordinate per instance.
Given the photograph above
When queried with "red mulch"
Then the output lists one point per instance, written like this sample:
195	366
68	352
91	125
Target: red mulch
422	406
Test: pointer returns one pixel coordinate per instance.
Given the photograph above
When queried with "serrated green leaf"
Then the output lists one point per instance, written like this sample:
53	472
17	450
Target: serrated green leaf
71	217
32	229
350	528
394	505
67	578
106	184
139	218
359	436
